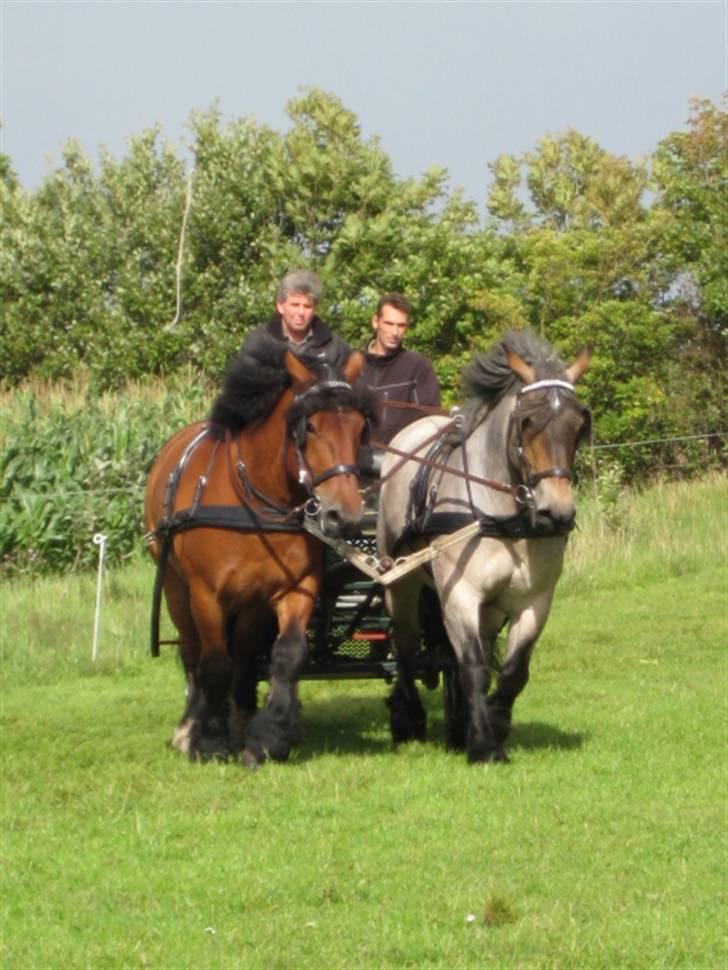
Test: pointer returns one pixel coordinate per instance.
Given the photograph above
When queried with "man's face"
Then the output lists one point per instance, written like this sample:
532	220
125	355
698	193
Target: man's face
297	312
389	328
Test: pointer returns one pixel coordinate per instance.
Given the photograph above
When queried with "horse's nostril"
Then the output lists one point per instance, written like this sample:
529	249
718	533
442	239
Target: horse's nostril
334	523
331	522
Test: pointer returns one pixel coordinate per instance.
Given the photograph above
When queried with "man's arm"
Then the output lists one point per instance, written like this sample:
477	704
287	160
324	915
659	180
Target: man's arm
427	386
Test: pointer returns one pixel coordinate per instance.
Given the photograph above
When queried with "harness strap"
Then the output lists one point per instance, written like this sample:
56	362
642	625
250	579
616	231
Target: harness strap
518	526
157	593
535	478
235	518
335	470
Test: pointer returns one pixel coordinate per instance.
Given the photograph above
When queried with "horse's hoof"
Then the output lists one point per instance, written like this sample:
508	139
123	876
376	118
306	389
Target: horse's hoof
210	749
481	756
182	737
249	761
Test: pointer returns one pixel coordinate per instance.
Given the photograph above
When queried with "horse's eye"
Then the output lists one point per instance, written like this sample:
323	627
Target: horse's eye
310	428
526	424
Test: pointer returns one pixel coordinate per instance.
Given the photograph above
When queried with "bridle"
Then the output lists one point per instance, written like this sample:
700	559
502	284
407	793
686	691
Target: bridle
305	474
531	478
522	492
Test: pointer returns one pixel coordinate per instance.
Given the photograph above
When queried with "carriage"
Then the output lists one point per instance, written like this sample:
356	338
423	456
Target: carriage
273	569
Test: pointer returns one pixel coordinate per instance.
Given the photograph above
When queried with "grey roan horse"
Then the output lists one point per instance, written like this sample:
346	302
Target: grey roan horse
508	467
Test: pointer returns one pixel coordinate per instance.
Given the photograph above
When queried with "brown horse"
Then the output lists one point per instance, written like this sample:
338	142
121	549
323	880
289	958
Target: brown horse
227	498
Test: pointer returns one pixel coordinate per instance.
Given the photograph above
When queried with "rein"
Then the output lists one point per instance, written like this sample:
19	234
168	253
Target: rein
515	490
424	521
522	492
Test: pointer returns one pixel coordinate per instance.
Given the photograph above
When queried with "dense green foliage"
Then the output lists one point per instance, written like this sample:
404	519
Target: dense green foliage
601	845
75	463
582	246
578	243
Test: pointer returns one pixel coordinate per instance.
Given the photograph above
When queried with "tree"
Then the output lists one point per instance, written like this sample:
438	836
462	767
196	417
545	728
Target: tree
90	266
690	171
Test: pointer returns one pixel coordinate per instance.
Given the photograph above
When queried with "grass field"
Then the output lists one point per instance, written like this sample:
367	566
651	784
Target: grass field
602	845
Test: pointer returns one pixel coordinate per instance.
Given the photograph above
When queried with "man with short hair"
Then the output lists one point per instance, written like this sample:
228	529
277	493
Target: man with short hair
396	374
295	323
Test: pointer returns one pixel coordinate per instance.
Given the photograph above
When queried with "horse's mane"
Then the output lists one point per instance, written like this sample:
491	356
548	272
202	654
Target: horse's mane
489	377
252	387
254	384
357	396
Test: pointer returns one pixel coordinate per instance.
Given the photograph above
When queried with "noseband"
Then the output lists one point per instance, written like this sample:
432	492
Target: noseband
531	479
306	476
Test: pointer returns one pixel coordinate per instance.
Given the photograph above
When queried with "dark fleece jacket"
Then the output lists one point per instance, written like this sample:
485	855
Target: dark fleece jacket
402	375
322	344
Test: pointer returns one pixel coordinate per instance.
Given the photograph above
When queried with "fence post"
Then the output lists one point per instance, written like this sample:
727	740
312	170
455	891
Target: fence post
100	541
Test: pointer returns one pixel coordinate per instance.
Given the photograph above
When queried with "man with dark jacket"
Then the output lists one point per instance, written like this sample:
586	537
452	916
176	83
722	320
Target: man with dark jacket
296	324
396	374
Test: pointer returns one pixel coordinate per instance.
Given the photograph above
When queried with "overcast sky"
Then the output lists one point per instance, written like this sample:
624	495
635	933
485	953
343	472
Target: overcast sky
448	83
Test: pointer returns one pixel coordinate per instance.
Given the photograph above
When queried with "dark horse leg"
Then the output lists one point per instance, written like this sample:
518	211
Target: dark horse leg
208	700
407	716
177	596
472	632
277	726
513	677
511	681
251	638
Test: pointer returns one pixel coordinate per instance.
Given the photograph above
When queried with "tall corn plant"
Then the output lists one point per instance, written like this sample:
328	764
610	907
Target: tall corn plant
72	468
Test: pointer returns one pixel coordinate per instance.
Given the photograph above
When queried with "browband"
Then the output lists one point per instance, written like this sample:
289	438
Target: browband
537	385
323	386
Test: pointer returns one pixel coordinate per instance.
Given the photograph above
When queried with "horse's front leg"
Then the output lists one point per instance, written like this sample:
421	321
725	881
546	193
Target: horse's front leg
277	726
252	638
407	716
524	630
208	702
473	637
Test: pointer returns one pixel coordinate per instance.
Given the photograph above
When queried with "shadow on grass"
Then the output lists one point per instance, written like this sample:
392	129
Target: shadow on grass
361	726
536	735
525	736
347	725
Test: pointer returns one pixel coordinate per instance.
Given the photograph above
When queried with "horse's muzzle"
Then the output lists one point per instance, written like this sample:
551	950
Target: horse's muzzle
337	523
547	523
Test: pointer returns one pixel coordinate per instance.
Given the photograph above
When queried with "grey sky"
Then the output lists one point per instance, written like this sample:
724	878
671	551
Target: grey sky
447	83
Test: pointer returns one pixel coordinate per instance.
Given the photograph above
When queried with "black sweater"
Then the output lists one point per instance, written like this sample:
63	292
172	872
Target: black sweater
402	375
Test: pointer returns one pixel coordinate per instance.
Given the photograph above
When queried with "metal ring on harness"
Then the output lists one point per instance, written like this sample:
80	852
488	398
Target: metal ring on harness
312	507
525	497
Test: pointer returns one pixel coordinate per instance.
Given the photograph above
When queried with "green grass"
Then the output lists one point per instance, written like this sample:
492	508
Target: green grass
602	845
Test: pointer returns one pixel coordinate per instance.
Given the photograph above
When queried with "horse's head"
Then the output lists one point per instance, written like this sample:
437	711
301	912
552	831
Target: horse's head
326	422
547	424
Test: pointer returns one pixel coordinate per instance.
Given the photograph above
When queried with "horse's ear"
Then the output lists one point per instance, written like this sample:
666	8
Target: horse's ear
579	366
520	368
353	367
298	371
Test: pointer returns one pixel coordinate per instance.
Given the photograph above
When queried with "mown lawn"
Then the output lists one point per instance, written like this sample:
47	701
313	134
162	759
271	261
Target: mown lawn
602	844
